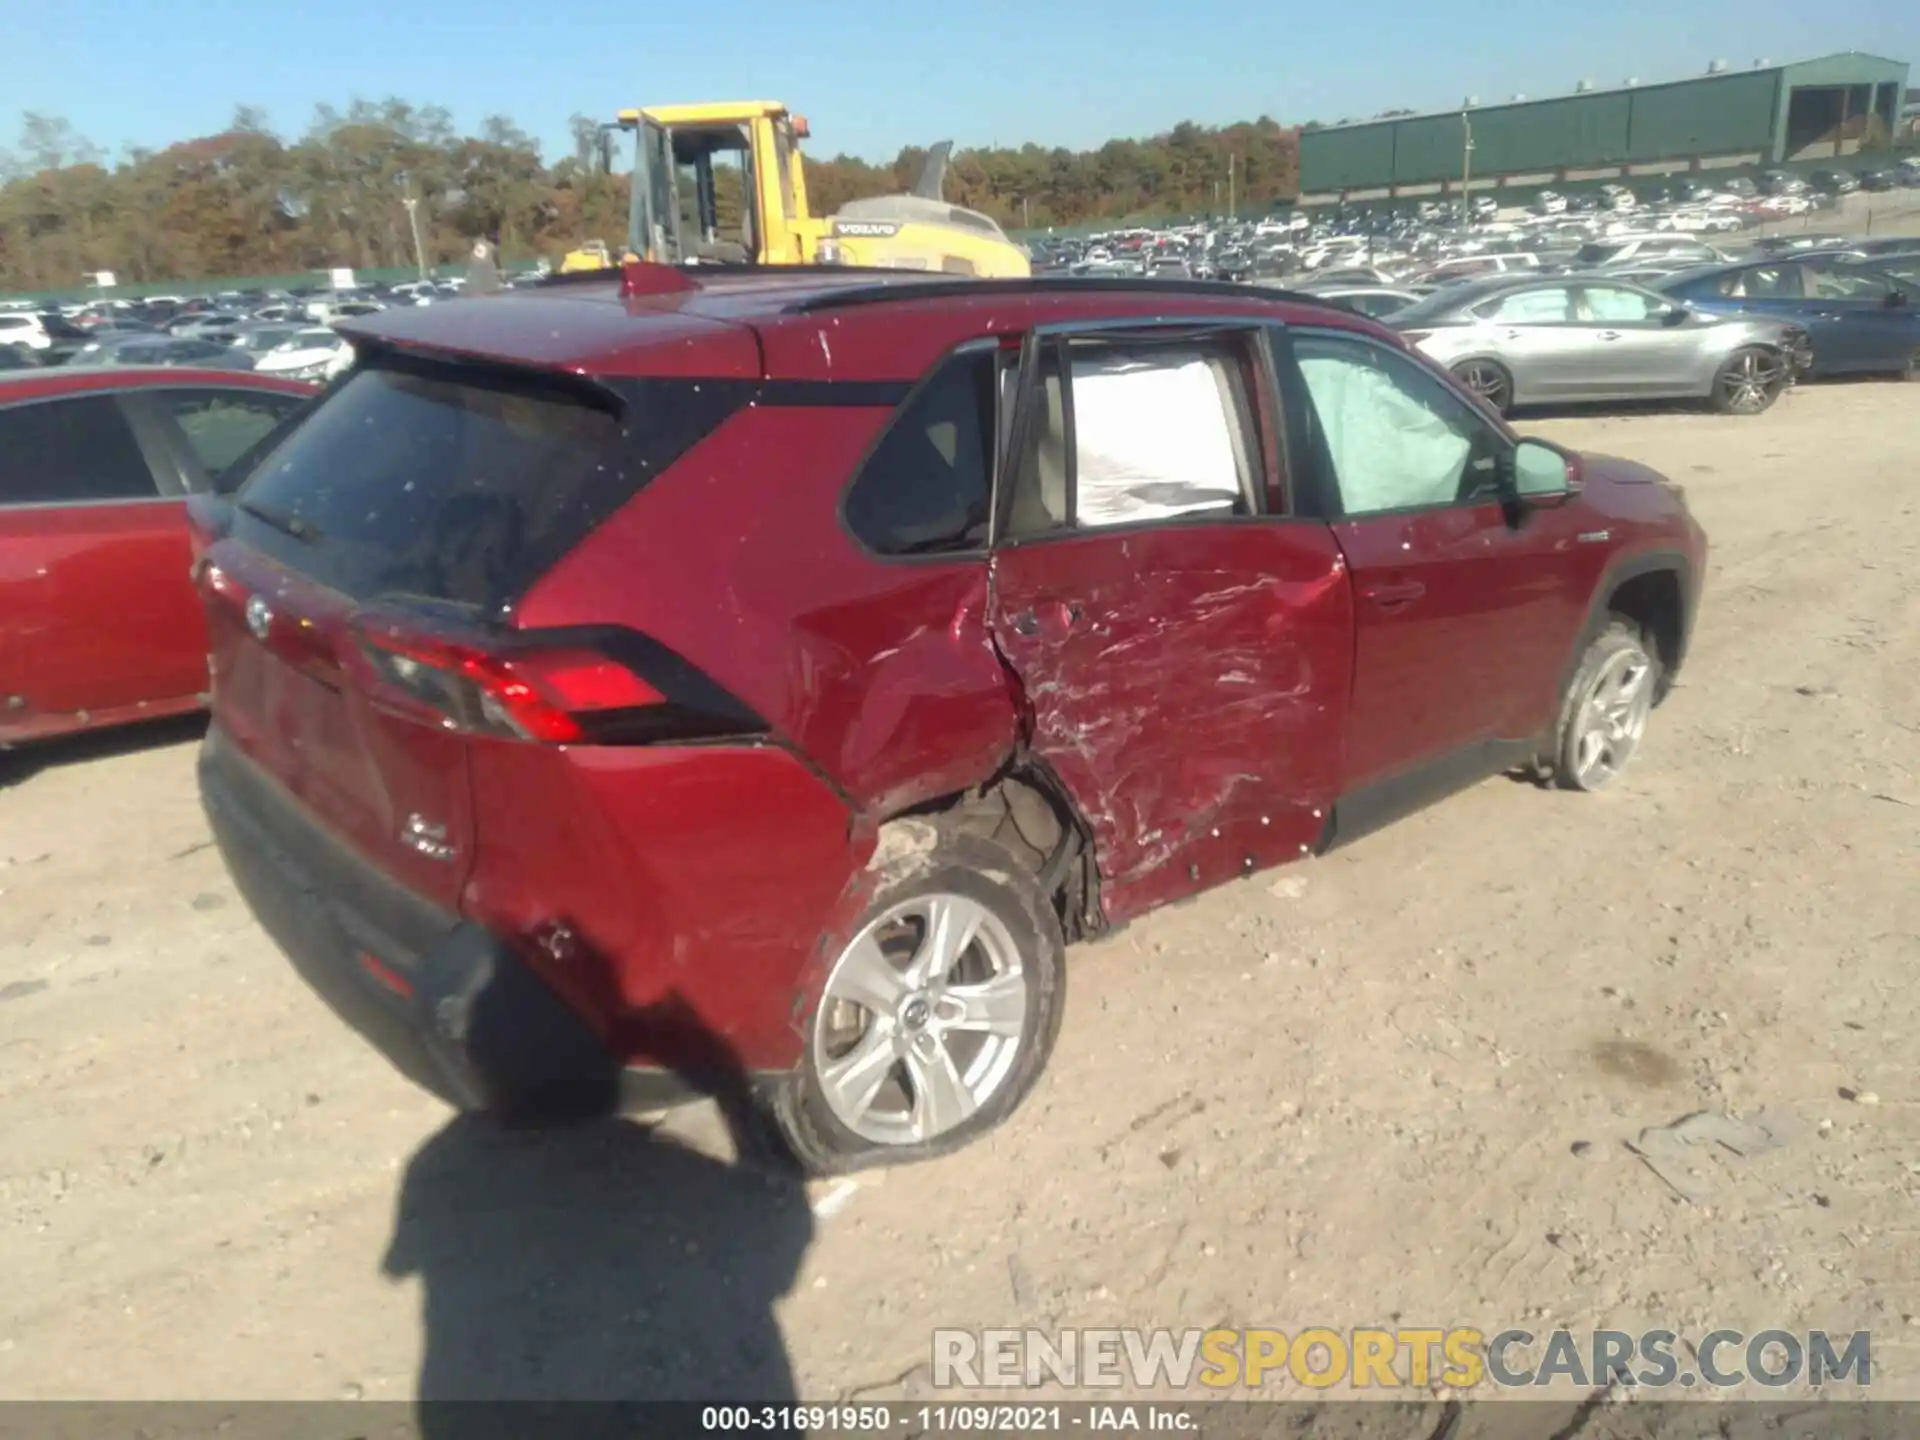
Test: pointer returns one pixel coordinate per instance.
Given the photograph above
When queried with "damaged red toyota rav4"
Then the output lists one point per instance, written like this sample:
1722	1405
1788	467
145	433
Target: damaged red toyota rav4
812	657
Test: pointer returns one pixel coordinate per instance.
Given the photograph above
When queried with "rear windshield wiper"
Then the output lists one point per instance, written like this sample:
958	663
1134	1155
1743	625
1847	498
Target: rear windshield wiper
286	524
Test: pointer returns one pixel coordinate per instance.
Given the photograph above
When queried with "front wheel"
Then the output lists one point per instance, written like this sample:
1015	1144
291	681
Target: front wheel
1604	715
1750	380
937	1014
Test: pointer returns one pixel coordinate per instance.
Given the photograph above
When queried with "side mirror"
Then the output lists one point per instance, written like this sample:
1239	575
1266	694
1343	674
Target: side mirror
1896	300
1675	314
1542	475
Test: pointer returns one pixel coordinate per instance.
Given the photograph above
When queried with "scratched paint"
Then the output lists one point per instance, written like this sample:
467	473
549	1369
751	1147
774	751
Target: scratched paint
1198	691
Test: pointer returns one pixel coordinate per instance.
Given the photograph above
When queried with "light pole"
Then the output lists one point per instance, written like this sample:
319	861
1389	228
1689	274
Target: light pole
413	221
1466	169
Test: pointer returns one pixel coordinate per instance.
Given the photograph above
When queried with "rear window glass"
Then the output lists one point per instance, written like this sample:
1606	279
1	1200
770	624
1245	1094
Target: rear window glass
457	484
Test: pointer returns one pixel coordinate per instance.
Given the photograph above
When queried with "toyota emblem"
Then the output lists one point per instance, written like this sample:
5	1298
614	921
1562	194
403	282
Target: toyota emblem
259	617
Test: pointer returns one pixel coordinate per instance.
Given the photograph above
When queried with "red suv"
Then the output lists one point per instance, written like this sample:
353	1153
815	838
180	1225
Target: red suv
99	624
805	659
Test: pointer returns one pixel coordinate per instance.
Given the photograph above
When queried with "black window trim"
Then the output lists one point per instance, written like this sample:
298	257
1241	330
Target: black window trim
1256	329
1328	488
159	378
145	407
977	345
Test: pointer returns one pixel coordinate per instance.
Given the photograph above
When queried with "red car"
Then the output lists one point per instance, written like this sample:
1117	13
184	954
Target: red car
792	665
99	623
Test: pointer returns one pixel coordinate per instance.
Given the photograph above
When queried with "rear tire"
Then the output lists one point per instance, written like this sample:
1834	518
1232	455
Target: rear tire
938	1013
1603	716
1488	381
1750	380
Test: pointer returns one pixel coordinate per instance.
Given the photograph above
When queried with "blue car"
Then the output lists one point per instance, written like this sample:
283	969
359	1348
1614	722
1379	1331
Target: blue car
1860	319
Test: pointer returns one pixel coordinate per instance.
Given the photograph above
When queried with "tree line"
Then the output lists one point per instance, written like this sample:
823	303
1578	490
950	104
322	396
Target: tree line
350	189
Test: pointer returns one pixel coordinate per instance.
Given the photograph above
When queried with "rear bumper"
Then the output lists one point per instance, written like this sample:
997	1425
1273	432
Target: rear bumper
445	1000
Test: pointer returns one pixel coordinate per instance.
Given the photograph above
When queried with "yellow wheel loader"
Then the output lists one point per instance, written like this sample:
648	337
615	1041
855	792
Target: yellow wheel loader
594	255
674	152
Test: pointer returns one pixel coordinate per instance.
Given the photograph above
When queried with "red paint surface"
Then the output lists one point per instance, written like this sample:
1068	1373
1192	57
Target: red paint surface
707	871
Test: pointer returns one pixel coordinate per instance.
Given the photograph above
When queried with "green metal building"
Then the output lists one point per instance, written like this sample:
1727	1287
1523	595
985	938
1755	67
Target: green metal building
1770	114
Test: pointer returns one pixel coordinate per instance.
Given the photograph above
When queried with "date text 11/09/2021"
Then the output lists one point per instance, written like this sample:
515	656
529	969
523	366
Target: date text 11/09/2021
961	1419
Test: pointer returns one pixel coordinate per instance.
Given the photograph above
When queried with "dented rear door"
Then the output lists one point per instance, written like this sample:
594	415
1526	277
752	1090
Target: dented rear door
1187	684
1185	676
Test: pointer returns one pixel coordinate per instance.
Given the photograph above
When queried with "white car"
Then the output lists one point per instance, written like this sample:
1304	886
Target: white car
27	331
316	354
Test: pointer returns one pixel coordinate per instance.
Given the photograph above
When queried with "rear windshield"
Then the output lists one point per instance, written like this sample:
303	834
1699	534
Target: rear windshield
461	485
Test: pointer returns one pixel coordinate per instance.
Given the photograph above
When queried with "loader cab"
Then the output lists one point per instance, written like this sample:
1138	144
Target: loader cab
719	183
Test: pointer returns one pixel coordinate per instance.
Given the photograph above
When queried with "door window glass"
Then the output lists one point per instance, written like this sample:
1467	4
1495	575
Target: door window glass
1552	305
926	489
1768	282
70	451
1142	430
1613	303
1396	437
1832	282
220	426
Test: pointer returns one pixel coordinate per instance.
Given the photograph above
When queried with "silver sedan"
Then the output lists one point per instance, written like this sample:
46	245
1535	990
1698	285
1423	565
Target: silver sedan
1550	340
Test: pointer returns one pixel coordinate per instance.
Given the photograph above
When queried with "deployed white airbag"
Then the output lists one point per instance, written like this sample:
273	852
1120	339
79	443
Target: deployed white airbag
1153	438
1389	450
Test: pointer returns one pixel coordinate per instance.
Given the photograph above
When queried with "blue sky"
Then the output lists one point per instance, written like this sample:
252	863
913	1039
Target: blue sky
1066	72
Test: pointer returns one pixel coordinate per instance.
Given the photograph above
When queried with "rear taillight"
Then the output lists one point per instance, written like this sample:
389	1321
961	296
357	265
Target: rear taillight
559	697
553	688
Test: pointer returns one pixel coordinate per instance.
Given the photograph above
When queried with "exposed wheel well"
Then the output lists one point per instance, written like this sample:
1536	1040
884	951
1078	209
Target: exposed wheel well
1654	602
1026	809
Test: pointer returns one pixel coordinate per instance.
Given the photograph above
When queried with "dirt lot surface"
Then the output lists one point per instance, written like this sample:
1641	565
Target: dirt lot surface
1393	1086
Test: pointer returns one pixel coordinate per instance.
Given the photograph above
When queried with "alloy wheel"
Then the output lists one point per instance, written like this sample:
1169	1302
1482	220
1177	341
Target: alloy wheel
1487	381
922	1019
1613	717
1750	382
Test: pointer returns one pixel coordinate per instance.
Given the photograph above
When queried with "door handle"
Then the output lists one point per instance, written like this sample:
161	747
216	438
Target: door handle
1609	334
1394	594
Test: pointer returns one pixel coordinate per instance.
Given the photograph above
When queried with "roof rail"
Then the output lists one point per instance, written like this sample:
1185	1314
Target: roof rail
699	271
906	288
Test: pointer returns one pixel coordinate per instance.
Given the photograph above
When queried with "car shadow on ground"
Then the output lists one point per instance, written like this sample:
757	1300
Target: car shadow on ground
27	761
605	1261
